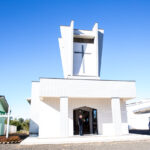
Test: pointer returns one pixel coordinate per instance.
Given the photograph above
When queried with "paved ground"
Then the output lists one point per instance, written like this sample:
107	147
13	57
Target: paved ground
85	139
136	145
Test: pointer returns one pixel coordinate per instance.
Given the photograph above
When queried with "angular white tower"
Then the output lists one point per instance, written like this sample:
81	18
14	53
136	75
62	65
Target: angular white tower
81	51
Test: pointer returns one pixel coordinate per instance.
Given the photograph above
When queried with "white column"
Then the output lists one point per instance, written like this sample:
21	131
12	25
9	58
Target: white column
64	128
116	115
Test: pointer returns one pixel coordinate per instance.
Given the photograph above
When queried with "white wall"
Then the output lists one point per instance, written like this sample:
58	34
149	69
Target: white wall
87	88
104	114
34	109
87	64
45	115
12	129
123	111
103	107
49	125
138	121
66	48
64	117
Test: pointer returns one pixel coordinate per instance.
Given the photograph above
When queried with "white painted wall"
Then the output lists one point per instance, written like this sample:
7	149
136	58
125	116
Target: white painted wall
138	121
34	109
49	124
116	115
45	115
50	116
64	116
66	48
12	129
87	65
103	111
104	115
86	88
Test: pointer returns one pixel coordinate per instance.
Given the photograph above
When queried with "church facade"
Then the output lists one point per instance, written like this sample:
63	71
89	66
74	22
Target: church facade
56	103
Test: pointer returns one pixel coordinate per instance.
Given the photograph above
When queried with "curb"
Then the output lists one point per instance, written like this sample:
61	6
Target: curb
11	142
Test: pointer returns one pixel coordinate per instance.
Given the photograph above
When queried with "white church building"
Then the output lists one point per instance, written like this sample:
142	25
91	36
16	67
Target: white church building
57	102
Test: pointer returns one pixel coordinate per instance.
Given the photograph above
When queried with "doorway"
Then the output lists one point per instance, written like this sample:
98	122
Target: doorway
90	120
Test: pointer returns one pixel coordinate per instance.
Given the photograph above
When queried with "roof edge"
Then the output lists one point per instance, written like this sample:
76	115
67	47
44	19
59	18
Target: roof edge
87	79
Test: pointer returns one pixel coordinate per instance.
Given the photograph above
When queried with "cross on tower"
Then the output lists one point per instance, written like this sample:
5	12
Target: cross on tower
83	53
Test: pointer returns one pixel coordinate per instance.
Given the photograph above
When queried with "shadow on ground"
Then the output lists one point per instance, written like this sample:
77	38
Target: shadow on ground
143	132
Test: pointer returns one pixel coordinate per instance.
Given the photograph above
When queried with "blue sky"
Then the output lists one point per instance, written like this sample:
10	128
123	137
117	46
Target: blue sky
29	31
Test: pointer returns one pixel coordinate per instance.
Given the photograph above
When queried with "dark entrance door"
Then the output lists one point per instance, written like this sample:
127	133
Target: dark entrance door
86	125
89	123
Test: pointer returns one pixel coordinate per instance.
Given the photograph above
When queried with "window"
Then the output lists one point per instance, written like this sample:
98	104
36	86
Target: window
83	40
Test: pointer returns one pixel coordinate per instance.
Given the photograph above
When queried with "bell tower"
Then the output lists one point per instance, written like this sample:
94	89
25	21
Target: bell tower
81	51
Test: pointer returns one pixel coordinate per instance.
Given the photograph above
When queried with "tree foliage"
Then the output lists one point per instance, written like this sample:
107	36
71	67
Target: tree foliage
20	123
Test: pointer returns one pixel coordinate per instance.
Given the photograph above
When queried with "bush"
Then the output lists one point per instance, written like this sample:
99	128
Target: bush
20	123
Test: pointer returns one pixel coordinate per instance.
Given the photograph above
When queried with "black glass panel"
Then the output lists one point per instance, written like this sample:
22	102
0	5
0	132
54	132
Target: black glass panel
83	40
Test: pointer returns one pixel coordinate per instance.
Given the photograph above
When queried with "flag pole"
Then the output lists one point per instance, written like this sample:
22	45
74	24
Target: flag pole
8	118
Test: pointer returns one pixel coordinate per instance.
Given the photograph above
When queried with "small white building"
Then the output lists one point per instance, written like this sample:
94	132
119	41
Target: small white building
56	103
139	114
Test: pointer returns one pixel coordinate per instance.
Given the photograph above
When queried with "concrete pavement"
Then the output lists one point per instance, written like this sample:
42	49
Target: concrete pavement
130	145
84	139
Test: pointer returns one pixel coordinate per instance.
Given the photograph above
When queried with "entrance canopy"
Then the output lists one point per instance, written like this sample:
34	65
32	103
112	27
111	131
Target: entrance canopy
84	88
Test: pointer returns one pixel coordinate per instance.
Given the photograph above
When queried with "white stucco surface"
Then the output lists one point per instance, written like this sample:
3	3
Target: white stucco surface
34	120
87	88
139	114
116	115
64	125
